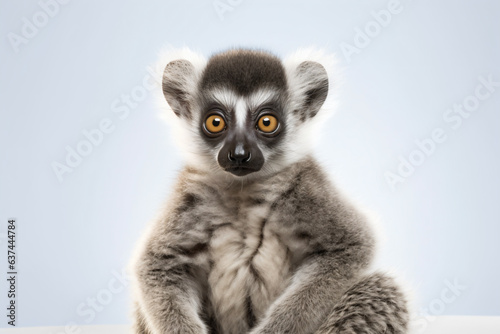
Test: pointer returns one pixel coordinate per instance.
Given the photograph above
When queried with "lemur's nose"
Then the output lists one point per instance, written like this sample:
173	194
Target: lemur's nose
240	154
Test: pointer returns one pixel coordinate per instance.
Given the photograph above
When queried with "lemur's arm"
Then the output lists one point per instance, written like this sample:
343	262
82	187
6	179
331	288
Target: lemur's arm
170	289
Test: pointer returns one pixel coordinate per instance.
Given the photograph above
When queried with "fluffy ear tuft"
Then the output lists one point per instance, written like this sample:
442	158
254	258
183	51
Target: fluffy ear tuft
312	81
179	84
178	71
309	75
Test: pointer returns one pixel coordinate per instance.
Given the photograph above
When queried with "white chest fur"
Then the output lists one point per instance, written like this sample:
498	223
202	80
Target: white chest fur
250	267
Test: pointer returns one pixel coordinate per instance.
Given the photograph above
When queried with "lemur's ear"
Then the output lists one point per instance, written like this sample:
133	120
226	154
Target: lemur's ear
179	86
309	85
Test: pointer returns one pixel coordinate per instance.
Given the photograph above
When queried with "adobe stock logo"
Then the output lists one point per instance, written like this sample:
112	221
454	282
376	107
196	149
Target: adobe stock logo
363	37
223	6
121	108
31	27
454	118
74	156
449	294
89	309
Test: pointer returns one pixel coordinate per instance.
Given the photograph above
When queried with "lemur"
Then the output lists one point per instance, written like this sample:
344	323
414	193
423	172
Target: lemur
255	238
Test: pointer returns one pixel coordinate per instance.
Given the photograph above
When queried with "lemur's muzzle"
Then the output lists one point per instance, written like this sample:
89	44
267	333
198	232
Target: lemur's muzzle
240	155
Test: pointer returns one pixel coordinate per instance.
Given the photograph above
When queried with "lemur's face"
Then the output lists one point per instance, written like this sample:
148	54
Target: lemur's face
244	110
241	129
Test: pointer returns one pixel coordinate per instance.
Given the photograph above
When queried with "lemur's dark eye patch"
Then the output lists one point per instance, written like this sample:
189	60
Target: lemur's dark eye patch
215	124
267	123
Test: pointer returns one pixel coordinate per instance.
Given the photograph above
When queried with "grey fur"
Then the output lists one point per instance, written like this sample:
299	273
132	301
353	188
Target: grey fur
281	251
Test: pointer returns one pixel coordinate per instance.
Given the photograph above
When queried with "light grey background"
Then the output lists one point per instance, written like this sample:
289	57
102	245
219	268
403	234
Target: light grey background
441	224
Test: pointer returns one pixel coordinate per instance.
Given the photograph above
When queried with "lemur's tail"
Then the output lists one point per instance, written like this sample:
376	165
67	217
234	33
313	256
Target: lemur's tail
374	304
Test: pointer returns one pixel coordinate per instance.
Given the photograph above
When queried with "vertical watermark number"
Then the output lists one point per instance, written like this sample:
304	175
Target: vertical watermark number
11	272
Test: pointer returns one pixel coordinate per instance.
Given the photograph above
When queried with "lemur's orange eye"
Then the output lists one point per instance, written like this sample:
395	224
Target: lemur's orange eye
267	123
215	123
